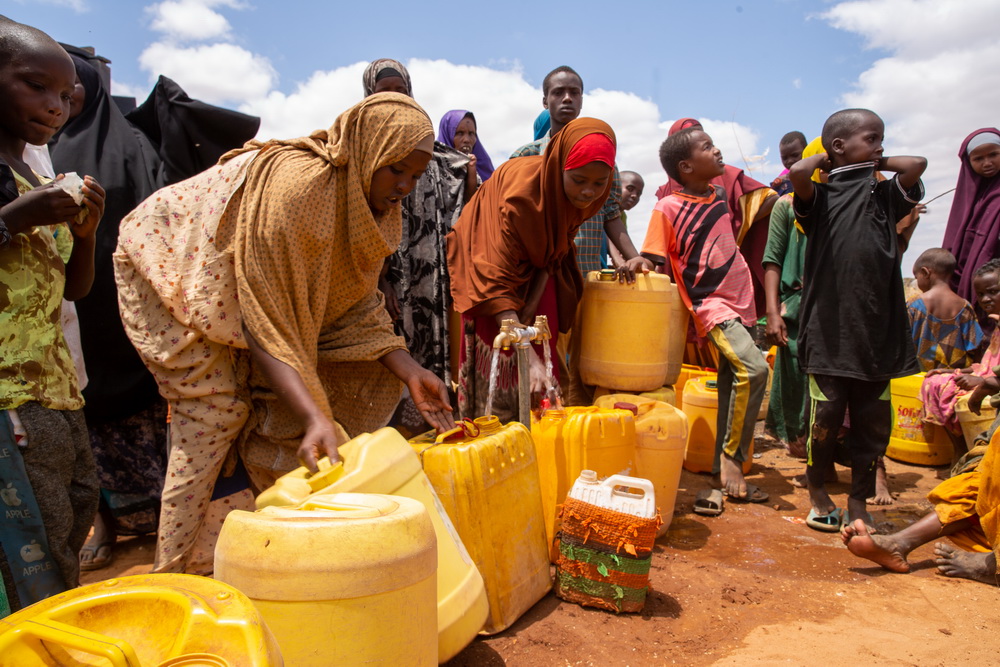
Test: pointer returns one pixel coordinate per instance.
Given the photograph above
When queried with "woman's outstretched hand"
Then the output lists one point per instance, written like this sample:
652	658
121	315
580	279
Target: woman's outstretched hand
430	396
426	389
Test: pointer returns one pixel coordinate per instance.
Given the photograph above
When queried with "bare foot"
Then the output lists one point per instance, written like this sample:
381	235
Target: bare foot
733	482
880	549
882	495
797	449
977	566
800	481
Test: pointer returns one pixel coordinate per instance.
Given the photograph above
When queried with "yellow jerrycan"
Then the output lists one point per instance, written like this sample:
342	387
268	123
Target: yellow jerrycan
486	475
628	332
664	394
573	440
912	440
384	462
701	405
689	372
148	620
971	423
341	579
661	433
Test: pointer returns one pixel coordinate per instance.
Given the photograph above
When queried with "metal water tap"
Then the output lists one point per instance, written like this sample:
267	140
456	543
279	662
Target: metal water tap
542	327
512	333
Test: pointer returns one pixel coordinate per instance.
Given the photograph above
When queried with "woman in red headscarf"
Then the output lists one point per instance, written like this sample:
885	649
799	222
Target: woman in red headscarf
511	256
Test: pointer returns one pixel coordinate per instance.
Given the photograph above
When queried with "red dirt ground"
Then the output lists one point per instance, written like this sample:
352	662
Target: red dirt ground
753	586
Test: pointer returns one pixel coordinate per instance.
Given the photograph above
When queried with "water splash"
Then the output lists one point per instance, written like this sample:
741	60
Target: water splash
493	381
551	392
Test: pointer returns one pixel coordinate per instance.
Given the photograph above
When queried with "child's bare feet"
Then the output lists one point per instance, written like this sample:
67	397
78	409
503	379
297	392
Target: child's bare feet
880	549
952	562
882	495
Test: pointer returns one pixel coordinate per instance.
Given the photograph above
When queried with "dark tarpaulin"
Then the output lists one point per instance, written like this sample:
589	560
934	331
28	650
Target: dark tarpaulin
176	138
189	135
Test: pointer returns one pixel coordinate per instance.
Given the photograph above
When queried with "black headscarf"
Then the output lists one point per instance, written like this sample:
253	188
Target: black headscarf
189	135
99	142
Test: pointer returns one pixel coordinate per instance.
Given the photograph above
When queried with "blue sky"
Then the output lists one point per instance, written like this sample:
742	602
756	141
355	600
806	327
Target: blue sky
750	70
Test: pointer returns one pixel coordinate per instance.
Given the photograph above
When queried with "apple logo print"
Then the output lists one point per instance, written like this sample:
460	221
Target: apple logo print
9	495
32	552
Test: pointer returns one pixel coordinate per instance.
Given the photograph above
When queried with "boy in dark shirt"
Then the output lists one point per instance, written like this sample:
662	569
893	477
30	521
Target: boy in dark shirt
854	335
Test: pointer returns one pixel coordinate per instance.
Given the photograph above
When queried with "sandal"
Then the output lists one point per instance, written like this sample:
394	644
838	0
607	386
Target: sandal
753	495
96	557
708	502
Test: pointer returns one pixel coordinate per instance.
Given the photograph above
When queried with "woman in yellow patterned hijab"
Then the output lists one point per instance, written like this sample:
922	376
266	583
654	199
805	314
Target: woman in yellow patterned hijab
275	251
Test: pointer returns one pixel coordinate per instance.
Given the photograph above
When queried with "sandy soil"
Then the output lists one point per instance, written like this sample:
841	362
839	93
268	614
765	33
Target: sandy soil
753	586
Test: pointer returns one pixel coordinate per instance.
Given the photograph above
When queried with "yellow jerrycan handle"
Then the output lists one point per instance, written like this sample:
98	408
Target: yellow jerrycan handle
328	474
116	651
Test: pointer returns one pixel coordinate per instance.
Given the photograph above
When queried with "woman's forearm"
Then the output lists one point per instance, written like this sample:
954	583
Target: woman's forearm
286	383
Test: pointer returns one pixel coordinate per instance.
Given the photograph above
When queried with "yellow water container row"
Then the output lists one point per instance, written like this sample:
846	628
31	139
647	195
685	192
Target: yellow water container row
632	335
576	439
664	394
912	440
973	424
661	433
487	479
141	621
688	372
383	462
701	405
341	579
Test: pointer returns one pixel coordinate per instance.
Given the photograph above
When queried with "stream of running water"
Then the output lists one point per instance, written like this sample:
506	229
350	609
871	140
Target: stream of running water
493	381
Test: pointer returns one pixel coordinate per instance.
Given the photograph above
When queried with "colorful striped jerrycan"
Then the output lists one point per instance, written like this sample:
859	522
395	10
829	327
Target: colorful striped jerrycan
606	542
661	433
487	478
341	579
701	405
633	335
141	621
576	439
383	462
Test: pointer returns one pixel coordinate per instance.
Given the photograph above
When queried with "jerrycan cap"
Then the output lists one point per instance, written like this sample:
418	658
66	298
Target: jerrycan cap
712	384
607	275
632	407
588	477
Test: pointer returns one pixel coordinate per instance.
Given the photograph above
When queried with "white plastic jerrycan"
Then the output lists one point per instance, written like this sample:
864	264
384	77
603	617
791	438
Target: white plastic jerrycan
617	493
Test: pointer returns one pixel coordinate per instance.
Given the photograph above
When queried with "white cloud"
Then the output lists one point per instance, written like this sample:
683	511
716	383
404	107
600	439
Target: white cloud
192	20
797	84
189	20
216	73
936	85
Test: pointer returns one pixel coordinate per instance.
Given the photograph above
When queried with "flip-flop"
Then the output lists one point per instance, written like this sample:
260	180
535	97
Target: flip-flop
827	523
101	556
754	495
708	502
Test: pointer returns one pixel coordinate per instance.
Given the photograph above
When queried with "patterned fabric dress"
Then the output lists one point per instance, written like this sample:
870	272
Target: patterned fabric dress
418	271
944	343
281	241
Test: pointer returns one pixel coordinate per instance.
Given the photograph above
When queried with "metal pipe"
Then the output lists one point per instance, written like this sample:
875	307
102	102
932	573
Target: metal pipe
520	337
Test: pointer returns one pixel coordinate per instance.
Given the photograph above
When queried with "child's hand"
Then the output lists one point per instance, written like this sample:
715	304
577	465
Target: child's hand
43	206
941	371
967	382
628	270
93	203
988	387
776	331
